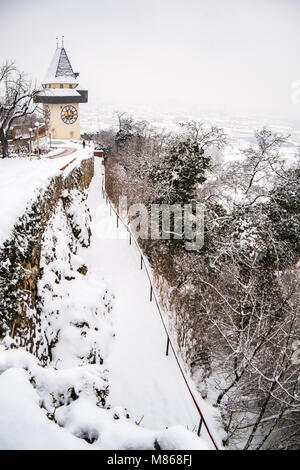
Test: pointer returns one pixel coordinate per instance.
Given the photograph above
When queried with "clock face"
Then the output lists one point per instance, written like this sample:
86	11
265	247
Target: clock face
47	113
69	114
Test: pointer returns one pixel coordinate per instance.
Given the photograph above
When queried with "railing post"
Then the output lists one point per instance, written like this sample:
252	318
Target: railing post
117	220
141	262
110	209
129	238
200	426
168	343
151	292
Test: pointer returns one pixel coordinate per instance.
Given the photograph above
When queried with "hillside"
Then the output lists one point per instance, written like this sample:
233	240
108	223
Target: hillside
99	366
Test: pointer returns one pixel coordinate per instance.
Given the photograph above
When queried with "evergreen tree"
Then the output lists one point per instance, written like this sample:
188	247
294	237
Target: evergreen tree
179	173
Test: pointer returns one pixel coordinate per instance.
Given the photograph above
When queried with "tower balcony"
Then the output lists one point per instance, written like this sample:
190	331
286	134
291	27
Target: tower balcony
61	95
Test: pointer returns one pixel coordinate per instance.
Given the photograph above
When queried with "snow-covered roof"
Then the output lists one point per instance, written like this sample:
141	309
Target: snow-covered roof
60	70
59	92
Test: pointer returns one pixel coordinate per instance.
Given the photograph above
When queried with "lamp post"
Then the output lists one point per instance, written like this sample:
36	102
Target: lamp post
37	124
30	149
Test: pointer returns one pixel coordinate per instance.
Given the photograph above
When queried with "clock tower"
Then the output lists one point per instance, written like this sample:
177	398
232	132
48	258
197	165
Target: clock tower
60	97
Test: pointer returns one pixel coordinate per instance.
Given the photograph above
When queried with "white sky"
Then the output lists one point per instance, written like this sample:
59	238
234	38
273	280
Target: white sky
227	55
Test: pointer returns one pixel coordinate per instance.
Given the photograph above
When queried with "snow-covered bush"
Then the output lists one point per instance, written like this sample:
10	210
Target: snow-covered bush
19	258
78	214
75	304
45	408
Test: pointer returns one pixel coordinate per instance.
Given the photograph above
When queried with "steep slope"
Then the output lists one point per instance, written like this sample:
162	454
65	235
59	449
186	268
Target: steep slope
142	378
61	398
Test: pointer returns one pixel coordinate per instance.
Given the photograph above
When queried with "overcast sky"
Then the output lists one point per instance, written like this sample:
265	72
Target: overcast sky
227	55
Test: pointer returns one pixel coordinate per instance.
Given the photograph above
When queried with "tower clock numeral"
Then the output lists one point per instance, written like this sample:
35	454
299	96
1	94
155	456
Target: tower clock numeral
69	114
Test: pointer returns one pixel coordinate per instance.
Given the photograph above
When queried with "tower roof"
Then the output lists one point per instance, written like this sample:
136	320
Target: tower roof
60	70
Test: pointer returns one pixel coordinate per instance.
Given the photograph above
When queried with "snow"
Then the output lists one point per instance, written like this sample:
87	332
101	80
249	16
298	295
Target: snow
83	325
42	408
107	309
60	69
22	425
59	92
119	434
239	128
141	377
15	358
145	381
21	179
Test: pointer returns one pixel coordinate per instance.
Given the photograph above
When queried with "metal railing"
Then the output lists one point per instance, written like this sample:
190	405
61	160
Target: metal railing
66	166
153	294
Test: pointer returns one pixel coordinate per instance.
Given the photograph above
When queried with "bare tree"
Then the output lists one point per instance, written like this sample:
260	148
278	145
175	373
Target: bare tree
233	306
262	163
205	136
16	100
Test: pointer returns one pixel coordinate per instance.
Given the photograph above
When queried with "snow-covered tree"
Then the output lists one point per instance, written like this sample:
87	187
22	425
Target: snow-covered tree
283	211
262	164
184	163
16	100
234	306
125	129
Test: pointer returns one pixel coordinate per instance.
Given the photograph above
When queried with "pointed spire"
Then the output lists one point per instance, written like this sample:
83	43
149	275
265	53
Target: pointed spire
60	69
64	67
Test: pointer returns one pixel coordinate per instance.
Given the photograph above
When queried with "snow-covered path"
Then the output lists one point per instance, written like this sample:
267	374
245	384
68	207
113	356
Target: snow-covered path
142	378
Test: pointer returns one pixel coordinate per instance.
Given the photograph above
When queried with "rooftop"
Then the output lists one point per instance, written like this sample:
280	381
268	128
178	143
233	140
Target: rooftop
60	70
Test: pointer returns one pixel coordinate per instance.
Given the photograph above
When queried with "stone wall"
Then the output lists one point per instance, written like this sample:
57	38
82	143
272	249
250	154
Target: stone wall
20	260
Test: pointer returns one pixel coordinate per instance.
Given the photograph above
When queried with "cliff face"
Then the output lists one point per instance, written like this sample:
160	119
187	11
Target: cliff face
20	256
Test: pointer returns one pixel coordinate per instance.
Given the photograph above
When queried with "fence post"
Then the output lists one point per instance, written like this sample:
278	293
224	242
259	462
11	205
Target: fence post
117	220
141	262
168	343
151	292
129	238
110	209
200	426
